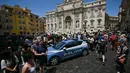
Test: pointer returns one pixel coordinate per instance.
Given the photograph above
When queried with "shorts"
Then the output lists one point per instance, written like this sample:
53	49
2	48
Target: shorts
42	60
101	51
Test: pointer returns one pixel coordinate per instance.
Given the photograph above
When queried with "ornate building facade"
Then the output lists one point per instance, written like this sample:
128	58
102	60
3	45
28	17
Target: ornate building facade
75	16
124	15
111	22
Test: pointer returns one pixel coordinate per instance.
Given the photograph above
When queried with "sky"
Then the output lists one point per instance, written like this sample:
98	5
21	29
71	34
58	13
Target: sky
40	7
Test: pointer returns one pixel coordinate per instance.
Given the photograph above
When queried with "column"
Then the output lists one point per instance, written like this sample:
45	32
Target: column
81	20
73	23
62	19
56	23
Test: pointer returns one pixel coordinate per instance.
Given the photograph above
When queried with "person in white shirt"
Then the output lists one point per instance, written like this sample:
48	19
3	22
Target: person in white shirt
91	41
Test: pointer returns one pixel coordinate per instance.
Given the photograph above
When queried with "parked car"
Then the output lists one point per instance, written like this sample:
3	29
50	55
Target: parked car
66	49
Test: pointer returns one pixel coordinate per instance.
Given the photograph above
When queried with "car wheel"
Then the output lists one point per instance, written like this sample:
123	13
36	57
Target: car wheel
54	61
85	52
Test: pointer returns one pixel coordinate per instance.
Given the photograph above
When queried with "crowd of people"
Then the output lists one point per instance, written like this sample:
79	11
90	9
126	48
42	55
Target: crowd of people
29	55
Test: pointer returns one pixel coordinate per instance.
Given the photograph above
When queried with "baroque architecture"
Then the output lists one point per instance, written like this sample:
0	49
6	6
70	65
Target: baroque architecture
75	16
124	15
111	22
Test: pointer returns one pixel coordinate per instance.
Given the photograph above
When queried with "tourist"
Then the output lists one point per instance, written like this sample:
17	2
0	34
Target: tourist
30	65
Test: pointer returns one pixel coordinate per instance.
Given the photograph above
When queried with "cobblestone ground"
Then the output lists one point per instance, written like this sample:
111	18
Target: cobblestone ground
88	64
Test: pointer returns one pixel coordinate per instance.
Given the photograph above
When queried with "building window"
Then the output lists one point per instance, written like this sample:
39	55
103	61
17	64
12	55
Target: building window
99	2
20	27
96	10
85	24
0	26
99	9
20	12
10	15
19	16
92	21
99	21
19	22
7	27
77	23
55	26
6	15
60	25
7	20
36	17
129	12
52	26
88	11
11	27
37	25
24	28
23	22
36	21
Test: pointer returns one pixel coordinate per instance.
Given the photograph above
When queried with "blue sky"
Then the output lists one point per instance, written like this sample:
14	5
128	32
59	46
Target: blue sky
39	7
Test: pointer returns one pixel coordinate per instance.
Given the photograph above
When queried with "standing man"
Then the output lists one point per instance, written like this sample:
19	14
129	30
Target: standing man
40	53
102	50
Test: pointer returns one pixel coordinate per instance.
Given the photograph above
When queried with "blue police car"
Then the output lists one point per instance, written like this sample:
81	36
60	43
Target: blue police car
66	49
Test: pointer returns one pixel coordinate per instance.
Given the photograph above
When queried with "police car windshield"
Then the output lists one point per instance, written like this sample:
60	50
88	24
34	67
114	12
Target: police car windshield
59	45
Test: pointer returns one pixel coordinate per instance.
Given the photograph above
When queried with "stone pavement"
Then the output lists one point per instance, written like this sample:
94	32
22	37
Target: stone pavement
88	64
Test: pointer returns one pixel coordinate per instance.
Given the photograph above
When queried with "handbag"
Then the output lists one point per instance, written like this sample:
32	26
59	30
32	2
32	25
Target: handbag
122	60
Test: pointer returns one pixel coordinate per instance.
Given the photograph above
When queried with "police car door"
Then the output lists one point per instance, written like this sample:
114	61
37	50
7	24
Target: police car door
68	50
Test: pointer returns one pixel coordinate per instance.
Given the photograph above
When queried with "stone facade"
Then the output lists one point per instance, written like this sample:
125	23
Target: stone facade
124	15
111	22
75	16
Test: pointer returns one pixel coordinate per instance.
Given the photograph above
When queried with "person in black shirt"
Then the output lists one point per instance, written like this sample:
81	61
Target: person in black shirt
102	49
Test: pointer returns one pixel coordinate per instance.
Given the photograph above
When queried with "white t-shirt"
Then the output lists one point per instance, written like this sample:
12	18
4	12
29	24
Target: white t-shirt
91	40
4	64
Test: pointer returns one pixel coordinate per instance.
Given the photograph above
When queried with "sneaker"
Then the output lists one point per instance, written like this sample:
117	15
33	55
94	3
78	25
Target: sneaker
103	63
